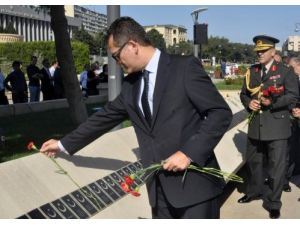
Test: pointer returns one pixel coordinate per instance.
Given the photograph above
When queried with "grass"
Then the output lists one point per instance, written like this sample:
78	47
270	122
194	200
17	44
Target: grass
38	127
222	86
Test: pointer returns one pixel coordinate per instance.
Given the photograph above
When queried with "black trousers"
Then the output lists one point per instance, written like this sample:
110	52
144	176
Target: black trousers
276	152
209	209
294	151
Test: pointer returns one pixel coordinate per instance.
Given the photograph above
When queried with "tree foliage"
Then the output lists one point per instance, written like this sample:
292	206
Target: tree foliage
95	42
222	48
182	48
23	51
156	39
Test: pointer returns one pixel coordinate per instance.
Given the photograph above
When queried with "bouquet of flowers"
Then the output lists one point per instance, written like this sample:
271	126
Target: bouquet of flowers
146	173
270	92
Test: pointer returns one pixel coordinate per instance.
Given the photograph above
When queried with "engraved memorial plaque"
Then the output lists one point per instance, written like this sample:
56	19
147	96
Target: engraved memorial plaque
82	199
94	198
50	212
73	205
138	165
100	193
114	185
128	172
107	189
36	214
63	209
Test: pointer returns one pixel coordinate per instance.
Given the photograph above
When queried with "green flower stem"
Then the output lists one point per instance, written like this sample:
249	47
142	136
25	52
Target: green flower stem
63	171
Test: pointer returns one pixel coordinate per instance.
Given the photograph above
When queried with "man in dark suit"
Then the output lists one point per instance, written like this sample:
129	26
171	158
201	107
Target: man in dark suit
178	116
294	159
269	88
18	85
46	80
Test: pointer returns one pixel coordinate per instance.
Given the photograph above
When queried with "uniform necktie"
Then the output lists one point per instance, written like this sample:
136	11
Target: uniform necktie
264	72
144	100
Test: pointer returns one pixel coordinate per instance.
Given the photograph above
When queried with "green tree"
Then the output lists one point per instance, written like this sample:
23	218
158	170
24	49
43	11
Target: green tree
182	48
100	43
64	55
156	39
84	36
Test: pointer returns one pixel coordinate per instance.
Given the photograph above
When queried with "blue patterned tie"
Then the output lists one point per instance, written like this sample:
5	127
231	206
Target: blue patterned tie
144	100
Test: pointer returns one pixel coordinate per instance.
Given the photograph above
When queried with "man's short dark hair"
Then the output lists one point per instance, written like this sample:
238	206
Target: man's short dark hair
124	29
16	63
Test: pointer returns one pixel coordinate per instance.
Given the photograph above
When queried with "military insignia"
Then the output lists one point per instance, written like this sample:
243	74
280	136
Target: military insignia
275	77
274	68
259	42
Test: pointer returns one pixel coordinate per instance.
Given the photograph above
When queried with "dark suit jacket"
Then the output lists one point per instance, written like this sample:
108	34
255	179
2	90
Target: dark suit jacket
274	121
46	86
188	115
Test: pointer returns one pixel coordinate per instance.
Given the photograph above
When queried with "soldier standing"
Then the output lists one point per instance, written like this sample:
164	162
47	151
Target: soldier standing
268	90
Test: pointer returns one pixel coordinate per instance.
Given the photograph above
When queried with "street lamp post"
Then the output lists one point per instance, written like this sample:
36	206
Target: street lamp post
195	15
114	71
297	27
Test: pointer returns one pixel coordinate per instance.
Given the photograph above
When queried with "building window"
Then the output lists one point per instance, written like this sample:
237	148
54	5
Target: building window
174	41
174	31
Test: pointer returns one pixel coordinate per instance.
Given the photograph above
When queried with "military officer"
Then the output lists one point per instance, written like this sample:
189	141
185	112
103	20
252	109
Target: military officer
268	90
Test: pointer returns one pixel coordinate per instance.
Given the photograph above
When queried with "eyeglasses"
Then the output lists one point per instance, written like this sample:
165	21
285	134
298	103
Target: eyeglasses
116	55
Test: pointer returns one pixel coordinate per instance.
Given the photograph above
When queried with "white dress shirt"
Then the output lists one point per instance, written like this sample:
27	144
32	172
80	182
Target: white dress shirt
152	67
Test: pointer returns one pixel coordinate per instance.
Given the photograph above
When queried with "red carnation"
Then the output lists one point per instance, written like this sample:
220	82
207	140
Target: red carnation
128	180
31	146
125	187
135	193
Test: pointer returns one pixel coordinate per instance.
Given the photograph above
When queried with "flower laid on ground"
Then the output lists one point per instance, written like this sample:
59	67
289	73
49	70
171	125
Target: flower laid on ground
146	173
31	147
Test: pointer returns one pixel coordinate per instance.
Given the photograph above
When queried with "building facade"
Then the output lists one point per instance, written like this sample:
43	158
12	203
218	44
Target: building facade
292	44
92	21
32	25
171	33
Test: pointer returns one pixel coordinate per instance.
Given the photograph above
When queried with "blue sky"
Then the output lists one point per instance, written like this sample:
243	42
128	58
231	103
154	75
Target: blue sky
237	23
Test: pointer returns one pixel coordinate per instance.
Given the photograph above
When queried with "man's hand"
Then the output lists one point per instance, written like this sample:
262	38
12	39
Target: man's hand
50	148
266	101
254	105
296	112
176	162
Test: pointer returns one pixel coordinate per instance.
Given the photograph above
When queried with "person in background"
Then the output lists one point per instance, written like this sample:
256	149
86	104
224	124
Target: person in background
223	68
277	57
59	90
270	128
92	81
34	75
166	97
18	85
47	84
83	79
53	67
3	98
294	160
103	76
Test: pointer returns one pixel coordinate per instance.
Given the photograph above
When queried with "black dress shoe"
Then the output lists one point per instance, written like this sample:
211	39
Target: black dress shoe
287	188
274	213
246	199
